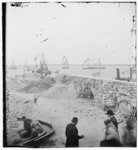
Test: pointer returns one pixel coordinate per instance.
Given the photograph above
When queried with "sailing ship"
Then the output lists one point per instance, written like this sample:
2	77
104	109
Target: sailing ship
92	64
13	66
27	67
65	64
42	68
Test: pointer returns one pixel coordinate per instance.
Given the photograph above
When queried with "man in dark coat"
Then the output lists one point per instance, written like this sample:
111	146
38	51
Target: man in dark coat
27	126
112	118
72	134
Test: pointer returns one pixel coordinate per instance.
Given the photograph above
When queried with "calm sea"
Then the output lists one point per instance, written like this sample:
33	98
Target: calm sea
108	73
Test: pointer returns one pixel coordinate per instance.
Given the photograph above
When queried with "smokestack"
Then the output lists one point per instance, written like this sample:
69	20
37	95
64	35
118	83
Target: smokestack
118	73
131	73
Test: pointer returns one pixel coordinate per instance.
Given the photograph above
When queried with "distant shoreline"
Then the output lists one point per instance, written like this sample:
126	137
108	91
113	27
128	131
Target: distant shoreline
81	64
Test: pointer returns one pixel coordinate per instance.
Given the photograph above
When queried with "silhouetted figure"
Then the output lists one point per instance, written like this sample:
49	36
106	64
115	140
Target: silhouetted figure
72	134
111	136
110	114
26	131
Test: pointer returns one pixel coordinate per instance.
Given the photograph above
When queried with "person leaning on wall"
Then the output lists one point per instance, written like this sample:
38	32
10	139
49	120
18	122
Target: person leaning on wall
111	138
113	119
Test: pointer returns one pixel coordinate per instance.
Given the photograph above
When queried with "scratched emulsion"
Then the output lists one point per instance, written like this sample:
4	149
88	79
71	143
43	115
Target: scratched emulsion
41	86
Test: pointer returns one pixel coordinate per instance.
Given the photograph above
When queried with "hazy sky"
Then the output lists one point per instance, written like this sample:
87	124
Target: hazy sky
75	30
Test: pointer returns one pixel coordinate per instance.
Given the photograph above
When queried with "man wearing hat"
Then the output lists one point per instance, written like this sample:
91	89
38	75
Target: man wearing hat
111	116
111	138
72	134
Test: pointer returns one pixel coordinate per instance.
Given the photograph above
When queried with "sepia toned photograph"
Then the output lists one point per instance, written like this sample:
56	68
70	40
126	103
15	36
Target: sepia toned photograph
70	74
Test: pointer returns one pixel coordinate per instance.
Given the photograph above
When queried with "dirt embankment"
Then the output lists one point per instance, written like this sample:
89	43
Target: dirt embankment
18	106
37	86
57	102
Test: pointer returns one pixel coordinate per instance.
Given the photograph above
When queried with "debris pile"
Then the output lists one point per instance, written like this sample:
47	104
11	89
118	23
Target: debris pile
86	91
64	79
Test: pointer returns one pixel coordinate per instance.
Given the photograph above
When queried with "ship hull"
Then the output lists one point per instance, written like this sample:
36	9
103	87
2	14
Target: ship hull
65	67
93	68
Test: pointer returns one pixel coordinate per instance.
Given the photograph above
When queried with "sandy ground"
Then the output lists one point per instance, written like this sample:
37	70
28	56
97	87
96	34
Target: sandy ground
56	103
60	112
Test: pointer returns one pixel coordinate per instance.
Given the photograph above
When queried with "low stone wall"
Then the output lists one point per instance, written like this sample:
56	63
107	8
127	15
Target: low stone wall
108	93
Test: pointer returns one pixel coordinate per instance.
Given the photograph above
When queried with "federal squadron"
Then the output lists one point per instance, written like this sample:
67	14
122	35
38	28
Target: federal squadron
92	64
41	68
12	66
65	64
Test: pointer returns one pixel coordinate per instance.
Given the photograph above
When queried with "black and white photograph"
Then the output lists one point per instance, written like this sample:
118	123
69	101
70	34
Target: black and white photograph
70	74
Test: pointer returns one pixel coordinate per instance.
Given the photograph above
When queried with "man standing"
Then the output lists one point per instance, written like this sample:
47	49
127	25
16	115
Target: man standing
72	134
112	118
111	138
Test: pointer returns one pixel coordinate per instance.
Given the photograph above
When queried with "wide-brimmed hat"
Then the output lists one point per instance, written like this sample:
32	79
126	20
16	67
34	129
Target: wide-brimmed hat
110	112
74	119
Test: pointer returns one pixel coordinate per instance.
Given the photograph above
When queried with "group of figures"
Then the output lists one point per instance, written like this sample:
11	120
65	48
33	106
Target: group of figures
32	130
111	138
